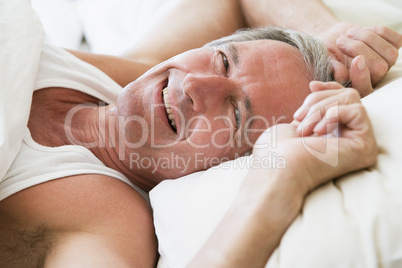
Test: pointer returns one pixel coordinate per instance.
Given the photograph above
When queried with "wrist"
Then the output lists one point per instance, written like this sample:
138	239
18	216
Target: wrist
275	195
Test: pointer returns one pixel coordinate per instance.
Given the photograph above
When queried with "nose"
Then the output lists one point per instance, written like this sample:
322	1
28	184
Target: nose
206	91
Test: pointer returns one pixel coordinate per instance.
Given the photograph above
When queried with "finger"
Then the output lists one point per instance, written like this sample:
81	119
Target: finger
322	98
341	72
317	110
310	100
307	126
295	123
316	86
388	34
377	65
360	76
329	123
356	139
351	117
381	46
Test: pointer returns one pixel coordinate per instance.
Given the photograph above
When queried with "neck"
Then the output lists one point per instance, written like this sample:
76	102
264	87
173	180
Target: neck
96	129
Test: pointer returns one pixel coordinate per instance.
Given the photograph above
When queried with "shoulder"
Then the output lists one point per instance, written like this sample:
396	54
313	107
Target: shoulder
101	216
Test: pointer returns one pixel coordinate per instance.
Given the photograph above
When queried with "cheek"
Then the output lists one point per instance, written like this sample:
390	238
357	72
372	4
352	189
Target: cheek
280	106
194	61
133	101
213	134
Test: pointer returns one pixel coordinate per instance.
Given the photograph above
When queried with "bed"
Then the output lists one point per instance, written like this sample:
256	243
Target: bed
353	221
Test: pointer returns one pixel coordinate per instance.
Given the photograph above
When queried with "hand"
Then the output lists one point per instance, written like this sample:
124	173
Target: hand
378	44
331	136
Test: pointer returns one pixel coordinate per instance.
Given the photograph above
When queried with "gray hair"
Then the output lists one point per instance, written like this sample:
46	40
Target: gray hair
313	50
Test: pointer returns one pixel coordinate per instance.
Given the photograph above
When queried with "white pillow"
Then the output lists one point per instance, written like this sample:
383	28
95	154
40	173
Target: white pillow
368	12
21	38
352	222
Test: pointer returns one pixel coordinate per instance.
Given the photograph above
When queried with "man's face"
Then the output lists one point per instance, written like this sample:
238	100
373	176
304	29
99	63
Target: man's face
219	100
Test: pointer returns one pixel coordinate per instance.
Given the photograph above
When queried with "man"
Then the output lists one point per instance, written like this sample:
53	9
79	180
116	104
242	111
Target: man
217	96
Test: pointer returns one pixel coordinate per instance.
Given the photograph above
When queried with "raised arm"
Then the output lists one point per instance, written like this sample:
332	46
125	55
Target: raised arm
379	45
189	24
310	16
182	25
122	70
269	200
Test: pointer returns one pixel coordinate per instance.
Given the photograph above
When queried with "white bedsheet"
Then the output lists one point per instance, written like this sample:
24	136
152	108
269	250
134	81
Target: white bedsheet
21	38
368	12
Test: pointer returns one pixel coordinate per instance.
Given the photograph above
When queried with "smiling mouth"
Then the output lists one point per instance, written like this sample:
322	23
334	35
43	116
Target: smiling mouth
168	107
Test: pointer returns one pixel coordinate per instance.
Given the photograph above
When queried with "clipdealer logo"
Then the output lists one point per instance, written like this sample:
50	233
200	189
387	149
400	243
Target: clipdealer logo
116	131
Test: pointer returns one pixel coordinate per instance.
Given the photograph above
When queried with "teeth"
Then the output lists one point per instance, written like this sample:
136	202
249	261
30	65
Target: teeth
168	108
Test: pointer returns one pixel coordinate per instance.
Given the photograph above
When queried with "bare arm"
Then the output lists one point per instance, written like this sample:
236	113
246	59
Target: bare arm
310	16
122	70
107	224
189	24
93	221
255	224
269	200
186	24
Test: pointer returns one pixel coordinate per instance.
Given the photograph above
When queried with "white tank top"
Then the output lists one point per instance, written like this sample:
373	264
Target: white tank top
37	164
